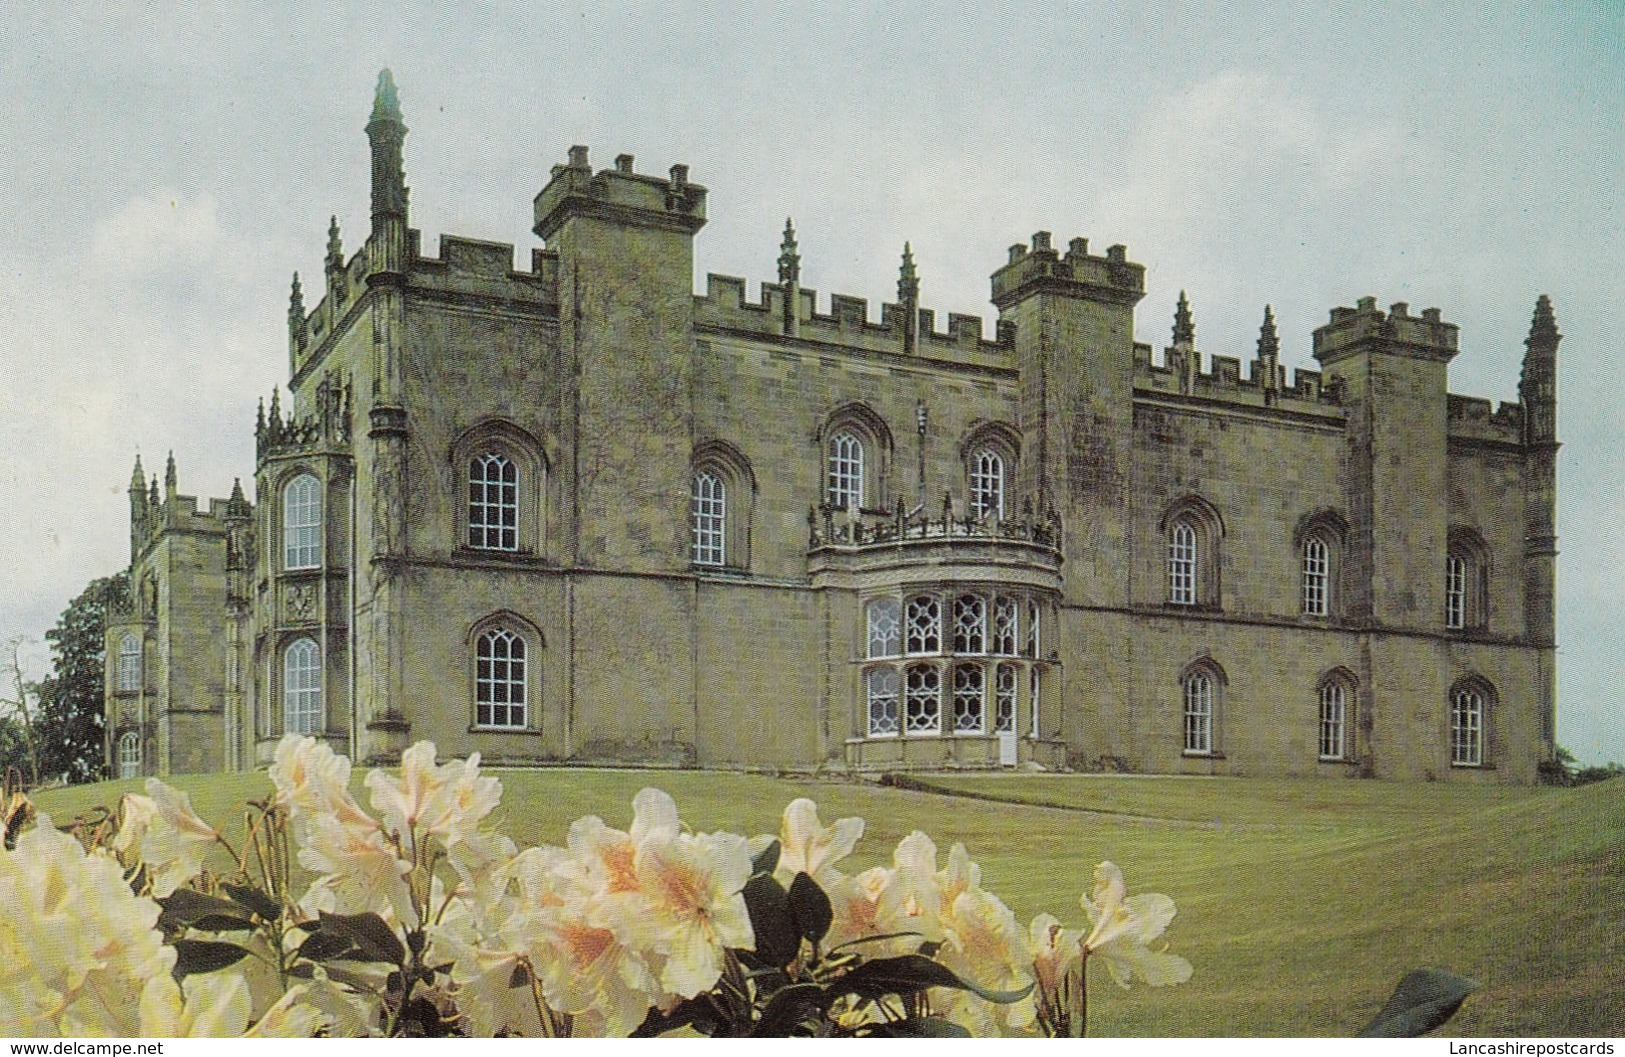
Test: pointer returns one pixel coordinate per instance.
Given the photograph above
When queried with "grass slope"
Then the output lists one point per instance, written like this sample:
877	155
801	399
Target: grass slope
1301	904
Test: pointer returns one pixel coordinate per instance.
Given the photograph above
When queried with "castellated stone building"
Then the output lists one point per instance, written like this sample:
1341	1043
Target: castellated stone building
576	513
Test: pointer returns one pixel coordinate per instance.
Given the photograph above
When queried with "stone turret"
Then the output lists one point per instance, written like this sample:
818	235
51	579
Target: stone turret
1537	385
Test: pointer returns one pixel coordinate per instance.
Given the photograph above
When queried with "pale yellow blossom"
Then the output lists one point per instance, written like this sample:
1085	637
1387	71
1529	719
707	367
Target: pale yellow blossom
689	907
984	946
912	900
1123	928
807	846
77	947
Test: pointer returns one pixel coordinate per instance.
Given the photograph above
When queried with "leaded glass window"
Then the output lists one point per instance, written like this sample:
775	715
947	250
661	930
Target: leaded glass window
923	699
1004	698
499	682
1004	625
923	626
1455	591
881	686
129	755
885	628
970	624
969	686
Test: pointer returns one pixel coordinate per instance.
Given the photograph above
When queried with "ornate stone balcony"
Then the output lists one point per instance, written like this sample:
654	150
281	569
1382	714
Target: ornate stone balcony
873	549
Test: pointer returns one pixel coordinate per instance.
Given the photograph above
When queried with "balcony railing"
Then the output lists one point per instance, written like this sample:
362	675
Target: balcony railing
829	526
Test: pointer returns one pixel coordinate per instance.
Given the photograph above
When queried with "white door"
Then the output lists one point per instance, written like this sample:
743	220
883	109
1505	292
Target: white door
1007	748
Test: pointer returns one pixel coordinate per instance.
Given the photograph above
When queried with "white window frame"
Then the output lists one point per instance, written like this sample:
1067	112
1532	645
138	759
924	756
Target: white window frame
302	523
1006	622
1456	569
884	623
493	502
922	626
922	699
127	674
970	624
844	471
1333	720
710	497
302	687
987	484
1182	559
1004	698
1199	695
970	699
1035	696
1316	577
1467	723
129	754
882	694
501	680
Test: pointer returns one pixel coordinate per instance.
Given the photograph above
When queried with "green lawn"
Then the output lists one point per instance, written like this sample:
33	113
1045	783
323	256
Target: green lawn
1301	904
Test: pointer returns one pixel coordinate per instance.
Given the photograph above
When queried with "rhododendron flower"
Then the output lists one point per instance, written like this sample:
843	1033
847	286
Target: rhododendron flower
605	856
448	801
1056	952
689	905
77	947
912	901
807	846
1124	926
984	945
218	1005
359	867
855	903
311	779
588	972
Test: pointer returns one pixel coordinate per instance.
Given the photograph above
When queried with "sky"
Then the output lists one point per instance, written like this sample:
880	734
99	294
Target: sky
161	179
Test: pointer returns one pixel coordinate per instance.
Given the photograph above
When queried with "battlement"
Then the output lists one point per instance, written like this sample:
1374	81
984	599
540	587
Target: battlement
1471	417
1224	382
725	306
474	266
619	194
154	513
1355	329
1042	269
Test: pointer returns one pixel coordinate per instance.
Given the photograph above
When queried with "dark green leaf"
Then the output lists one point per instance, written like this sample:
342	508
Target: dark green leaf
1423	1000
777	940
520	977
184	906
919	1028
789	1007
810	908
205	956
767	861
253	899
221	923
322	946
696	1013
375	941
911	974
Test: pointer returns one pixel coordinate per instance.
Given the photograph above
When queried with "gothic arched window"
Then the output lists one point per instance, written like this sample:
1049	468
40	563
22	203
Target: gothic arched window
302	523
128	674
302	688
493	503
500	683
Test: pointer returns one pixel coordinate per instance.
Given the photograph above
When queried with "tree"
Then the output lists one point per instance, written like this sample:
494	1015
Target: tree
71	699
20	733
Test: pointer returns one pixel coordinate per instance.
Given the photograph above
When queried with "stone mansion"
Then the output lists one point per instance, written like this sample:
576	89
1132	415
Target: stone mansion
576	513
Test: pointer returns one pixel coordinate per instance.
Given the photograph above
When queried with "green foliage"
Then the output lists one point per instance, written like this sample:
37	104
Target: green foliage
70	719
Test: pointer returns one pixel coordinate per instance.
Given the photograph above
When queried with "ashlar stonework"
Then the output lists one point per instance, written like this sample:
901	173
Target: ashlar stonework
575	513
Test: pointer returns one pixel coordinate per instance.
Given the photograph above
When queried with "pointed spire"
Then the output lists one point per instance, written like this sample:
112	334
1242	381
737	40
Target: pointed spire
274	424
1184	329
169	473
1543	327
138	480
1537	383
1269	345
237	505
259	420
335	247
296	302
386	131
789	259
386	104
154	497
908	279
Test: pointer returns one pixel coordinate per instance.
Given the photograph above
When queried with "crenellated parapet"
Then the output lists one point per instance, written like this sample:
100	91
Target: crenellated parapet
1472	418
1357	329
726	306
1078	273
155	511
